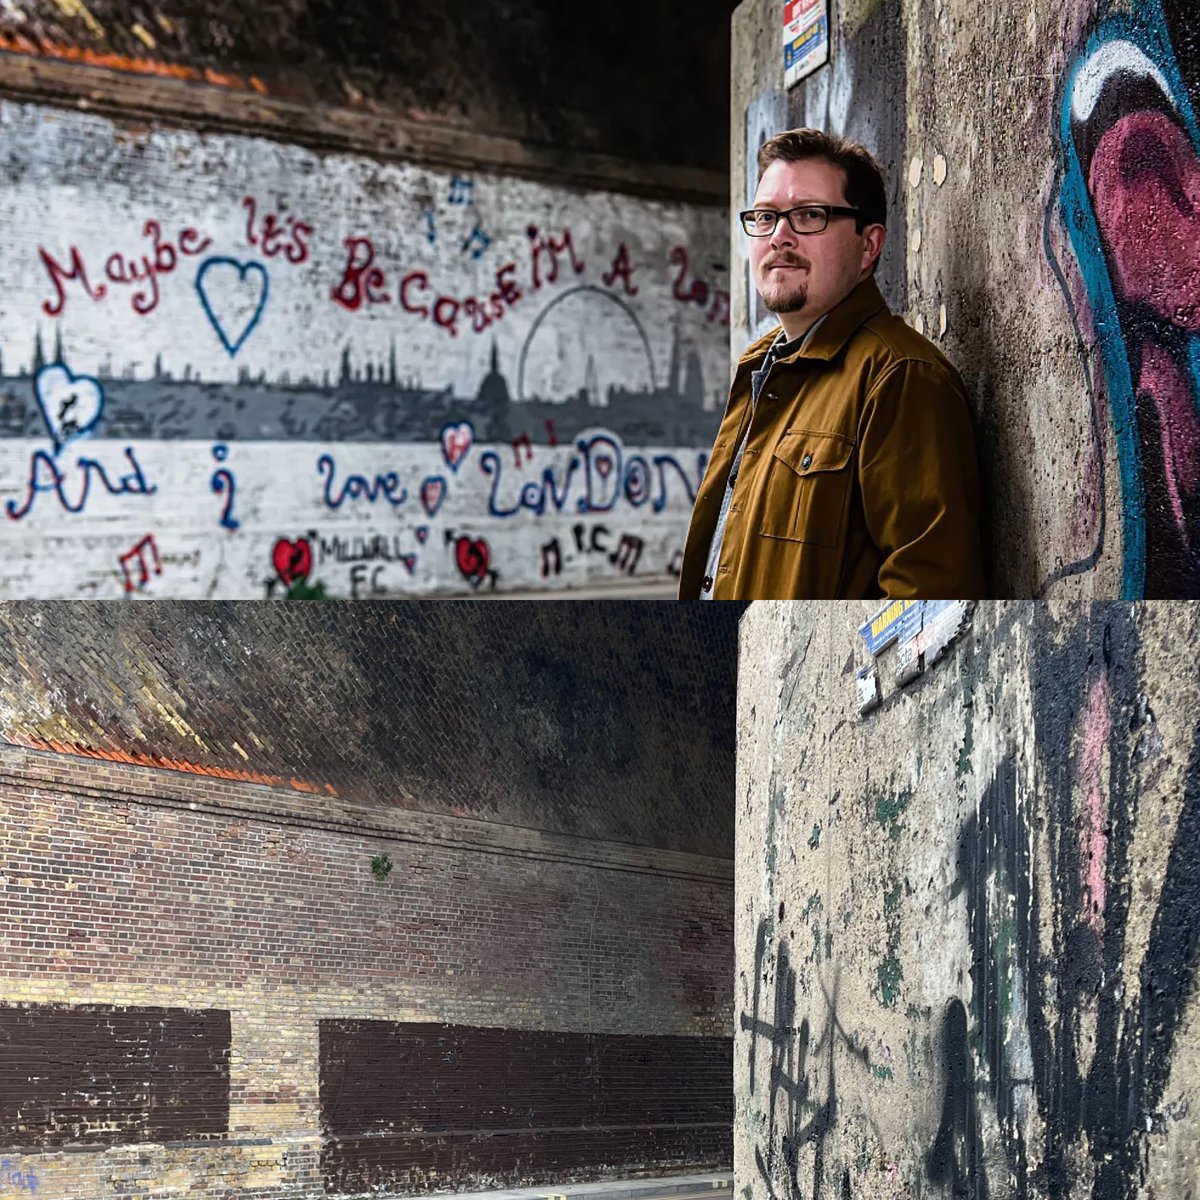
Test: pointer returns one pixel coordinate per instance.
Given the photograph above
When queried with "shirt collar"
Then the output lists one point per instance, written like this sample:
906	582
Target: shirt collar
831	331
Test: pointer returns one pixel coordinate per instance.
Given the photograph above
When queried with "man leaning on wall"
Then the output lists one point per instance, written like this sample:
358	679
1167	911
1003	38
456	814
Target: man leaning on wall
845	465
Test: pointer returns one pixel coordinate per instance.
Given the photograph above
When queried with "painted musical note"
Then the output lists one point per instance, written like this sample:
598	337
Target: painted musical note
476	242
138	556
462	191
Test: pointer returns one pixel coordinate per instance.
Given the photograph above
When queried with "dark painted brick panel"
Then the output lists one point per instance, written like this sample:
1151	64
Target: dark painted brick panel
405	1106
95	1075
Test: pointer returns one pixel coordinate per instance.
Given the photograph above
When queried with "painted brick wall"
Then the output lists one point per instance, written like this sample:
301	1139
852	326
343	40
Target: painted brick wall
400	1103
240	368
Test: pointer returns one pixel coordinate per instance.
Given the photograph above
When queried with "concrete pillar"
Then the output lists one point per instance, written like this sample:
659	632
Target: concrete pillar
966	934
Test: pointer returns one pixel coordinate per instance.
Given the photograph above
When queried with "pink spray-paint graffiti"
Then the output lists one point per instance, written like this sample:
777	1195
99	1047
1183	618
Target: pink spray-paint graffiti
1130	202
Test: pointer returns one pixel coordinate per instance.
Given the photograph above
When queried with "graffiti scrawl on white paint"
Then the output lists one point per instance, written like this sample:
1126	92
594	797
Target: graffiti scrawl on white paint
234	368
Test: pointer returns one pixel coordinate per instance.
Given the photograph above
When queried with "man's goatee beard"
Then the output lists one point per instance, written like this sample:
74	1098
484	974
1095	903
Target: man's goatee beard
791	302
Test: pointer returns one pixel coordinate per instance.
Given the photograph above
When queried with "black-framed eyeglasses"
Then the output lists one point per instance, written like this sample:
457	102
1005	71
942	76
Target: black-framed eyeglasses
808	218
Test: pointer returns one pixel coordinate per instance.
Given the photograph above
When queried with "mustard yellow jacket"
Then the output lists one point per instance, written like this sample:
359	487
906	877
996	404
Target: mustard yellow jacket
859	478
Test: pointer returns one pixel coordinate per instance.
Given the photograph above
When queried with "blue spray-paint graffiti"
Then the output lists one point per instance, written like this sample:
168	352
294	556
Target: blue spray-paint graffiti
45	475
385	487
223	481
462	190
71	405
26	1180
606	476
475	243
1130	147
233	295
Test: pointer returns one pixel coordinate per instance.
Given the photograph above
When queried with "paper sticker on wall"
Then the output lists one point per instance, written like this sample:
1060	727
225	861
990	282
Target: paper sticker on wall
805	38
923	631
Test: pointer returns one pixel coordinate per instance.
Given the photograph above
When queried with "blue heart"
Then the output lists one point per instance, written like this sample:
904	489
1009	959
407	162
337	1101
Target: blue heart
232	343
71	404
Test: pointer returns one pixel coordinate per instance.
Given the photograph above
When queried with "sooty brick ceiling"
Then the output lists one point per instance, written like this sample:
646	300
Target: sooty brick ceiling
645	82
609	720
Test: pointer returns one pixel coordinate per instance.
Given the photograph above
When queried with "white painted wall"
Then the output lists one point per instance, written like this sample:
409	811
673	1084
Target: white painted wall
223	367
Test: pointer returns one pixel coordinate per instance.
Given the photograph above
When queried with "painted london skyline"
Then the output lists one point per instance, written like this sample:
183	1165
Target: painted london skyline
370	400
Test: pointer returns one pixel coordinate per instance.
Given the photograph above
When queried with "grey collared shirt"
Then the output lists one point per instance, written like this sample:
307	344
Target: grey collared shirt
779	349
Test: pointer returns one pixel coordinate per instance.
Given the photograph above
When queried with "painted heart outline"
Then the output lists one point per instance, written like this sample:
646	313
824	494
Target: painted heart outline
457	438
206	283
71	404
433	494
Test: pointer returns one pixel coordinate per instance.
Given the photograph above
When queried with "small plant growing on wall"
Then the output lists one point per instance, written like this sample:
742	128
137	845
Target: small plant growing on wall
381	866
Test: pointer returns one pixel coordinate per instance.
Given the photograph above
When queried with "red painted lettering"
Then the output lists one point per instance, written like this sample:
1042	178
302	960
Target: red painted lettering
114	268
270	236
622	269
251	208
361	280
510	292
165	257
421	280
297	252
479	318
680	255
446	319
144	301
59	274
188	240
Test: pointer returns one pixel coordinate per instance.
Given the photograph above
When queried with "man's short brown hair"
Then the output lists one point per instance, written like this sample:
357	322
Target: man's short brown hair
864	177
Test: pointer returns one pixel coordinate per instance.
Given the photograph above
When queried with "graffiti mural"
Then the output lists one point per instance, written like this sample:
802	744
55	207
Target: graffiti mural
291	350
1129	198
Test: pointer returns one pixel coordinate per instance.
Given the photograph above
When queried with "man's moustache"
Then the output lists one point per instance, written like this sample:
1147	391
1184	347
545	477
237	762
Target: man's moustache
785	262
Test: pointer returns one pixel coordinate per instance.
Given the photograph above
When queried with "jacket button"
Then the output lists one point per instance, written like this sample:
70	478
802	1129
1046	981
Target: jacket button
806	462
707	584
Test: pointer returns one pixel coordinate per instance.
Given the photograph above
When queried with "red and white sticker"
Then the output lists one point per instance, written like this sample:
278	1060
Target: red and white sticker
805	38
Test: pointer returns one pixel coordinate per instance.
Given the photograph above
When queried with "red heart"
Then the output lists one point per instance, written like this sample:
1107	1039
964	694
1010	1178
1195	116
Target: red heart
604	465
472	558
293	560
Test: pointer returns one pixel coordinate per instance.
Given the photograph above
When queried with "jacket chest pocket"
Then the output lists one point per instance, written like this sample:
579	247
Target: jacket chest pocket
808	481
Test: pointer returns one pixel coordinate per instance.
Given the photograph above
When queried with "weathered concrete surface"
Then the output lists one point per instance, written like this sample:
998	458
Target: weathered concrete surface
1040	157
966	933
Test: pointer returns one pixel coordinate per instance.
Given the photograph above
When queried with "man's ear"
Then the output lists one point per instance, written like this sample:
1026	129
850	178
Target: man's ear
875	235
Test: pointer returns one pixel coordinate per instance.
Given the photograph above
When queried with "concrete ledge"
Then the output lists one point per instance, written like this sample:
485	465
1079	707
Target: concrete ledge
716	1184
